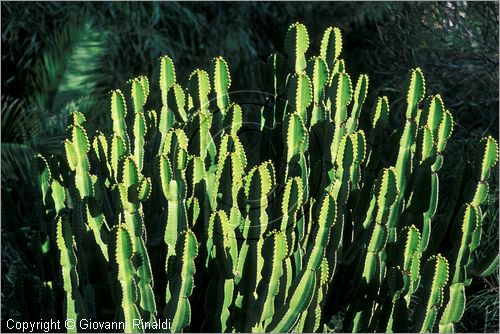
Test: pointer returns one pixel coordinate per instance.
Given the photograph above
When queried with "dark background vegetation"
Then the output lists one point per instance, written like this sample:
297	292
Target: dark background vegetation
60	57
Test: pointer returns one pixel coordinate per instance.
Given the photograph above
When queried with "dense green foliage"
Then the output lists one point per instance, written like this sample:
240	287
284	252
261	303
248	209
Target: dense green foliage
60	57
264	239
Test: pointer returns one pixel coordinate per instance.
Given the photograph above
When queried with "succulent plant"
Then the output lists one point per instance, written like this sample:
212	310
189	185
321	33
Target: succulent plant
169	212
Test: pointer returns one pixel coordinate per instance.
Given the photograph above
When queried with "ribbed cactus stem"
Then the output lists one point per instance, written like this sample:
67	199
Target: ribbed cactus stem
68	261
126	278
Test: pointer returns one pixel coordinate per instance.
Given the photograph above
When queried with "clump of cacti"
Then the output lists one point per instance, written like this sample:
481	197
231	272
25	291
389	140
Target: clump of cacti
168	217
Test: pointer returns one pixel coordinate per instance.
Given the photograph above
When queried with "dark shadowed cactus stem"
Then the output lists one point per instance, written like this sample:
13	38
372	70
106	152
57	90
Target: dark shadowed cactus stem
274	244
258	184
408	269
222	249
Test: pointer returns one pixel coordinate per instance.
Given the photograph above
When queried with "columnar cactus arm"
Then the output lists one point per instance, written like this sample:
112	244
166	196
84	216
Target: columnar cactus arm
339	93
64	238
456	294
455	308
318	72
434	279
486	158
173	186
359	141
44	176
269	286
118	116
145	282
139	140
131	193
300	95
228	179
292	200
175	145
175	220
218	302
167	76
179	307
411	263
222	82
296	45
258	183
272	80
469	233
380	115
433	139
176	104
100	147
416	92
98	225
300	298
295	136
118	152
404	280
444	131
233	119
199	88
167	80
76	118
201	139
312	319
58	194
340	185
140	92
127	187
326	220
81	148
331	46
386	193
126	277
359	99
301	294
225	242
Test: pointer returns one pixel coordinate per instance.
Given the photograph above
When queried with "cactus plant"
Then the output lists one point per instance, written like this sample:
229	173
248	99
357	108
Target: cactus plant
265	244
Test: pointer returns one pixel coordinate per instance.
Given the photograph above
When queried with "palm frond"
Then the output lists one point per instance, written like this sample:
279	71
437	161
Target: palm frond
69	68
25	133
